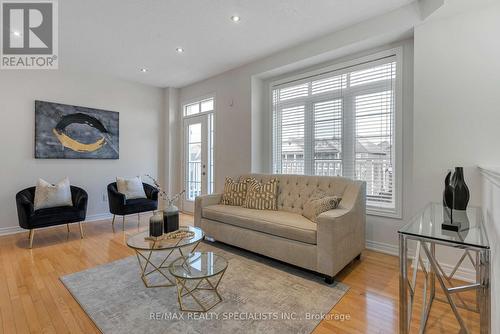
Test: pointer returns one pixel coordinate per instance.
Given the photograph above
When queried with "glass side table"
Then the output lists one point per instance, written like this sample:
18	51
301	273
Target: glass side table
198	276
471	239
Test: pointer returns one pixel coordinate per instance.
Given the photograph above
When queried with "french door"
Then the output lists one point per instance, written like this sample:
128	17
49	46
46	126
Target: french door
198	158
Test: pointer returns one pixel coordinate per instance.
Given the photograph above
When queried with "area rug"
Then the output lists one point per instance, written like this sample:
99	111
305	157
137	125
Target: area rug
260	295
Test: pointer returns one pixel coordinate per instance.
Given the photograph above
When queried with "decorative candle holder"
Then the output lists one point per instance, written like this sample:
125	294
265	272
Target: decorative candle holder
156	225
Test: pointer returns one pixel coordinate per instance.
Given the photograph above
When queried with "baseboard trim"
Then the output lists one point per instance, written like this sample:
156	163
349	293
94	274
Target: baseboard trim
464	274
16	229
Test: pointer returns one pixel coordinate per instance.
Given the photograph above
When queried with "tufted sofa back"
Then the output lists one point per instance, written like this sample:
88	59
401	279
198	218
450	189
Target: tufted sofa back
295	190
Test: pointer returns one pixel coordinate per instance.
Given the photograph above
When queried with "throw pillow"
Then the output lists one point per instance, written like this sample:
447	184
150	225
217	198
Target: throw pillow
234	192
52	195
318	203
132	187
261	196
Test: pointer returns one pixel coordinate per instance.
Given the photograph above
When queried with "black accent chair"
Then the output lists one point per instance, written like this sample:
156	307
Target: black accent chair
30	219
120	206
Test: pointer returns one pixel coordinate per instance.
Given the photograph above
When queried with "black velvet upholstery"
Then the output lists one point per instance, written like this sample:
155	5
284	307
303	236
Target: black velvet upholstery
118	205
30	219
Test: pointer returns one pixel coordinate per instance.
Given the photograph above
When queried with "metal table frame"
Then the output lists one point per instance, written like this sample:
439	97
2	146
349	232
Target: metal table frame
148	267
480	258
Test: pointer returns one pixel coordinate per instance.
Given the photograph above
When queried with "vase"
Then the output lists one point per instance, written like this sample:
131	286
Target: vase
171	219
448	192
461	193
156	225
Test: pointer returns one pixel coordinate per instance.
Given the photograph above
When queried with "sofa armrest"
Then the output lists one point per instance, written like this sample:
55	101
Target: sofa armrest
203	201
341	234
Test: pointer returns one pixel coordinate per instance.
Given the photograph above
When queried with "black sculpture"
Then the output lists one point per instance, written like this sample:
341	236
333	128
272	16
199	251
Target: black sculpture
455	199
456	193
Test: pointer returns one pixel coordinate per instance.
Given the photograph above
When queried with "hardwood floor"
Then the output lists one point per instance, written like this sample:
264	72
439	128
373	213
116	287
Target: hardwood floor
33	300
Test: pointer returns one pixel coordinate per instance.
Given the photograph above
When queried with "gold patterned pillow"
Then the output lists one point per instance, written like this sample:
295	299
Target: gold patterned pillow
318	203
261	196
234	192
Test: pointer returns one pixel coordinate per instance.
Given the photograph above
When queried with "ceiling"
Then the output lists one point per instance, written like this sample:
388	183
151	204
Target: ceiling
119	37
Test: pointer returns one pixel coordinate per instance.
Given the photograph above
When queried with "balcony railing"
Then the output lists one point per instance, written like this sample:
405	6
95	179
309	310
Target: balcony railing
376	173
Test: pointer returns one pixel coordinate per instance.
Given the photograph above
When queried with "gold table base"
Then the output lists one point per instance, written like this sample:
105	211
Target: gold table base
183	291
148	267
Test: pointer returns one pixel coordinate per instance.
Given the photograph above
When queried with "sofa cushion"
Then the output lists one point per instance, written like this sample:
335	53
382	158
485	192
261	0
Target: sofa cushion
280	223
318	203
234	192
261	196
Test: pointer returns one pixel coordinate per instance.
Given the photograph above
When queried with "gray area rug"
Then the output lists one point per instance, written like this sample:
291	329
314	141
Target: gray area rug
260	296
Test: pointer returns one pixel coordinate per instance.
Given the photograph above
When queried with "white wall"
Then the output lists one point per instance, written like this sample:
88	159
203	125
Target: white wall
457	100
140	108
491	212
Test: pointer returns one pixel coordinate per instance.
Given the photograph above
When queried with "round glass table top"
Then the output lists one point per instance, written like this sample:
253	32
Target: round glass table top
138	241
198	265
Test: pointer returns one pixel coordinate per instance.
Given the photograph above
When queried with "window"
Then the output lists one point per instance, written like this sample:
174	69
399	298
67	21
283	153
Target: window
199	107
341	123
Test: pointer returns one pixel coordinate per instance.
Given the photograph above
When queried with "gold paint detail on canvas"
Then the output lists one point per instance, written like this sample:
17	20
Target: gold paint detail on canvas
76	145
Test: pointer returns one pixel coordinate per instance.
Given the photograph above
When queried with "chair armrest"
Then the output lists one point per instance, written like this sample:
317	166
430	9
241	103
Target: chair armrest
116	200
25	209
203	201
80	200
151	192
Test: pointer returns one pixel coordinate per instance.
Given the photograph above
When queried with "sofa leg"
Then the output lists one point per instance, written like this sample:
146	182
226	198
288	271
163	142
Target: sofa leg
32	236
329	279
358	257
67	227
123	222
81	230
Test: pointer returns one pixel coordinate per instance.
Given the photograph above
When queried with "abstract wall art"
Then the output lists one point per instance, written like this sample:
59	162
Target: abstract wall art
70	132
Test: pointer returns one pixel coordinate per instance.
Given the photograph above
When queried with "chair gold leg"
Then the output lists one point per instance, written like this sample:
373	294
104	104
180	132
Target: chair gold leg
32	236
123	223
113	223
138	220
81	230
67	226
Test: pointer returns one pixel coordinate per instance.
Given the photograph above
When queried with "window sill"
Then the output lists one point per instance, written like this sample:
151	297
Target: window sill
386	213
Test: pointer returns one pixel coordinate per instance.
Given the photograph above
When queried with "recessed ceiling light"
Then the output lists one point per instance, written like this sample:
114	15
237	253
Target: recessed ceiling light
143	70
179	50
235	18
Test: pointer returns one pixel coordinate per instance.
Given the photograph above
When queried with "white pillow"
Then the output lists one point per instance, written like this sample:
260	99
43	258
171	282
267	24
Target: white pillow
130	187
52	195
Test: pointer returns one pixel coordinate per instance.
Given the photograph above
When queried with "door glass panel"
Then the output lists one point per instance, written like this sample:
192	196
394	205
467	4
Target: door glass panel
194	161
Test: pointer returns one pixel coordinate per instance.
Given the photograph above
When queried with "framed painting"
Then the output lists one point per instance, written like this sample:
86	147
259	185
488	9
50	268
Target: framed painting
70	132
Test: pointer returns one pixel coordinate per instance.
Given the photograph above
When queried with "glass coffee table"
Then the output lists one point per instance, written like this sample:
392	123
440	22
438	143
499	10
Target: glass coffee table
198	277
155	256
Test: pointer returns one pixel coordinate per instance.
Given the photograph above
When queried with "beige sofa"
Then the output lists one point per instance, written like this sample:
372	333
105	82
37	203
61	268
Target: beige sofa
325	247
